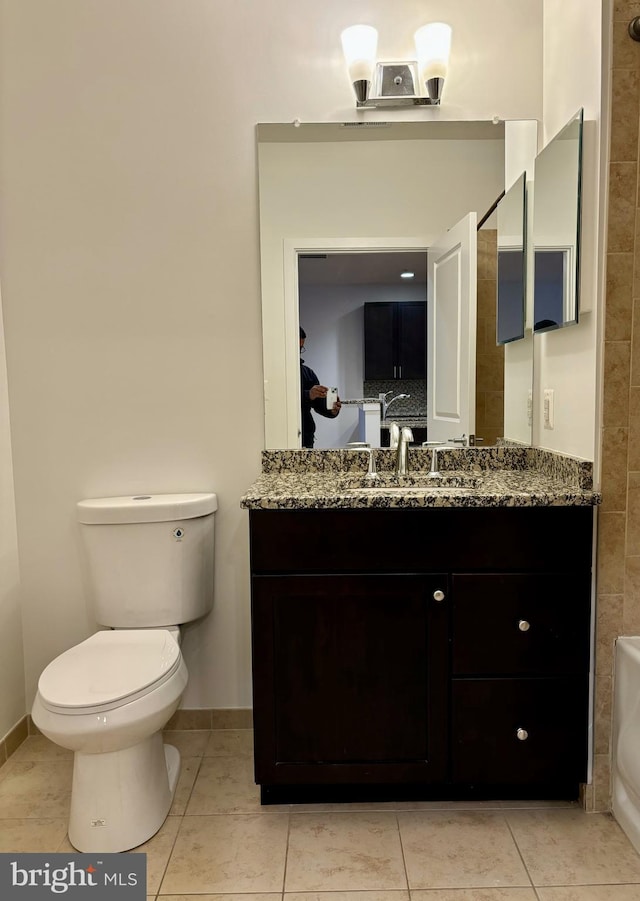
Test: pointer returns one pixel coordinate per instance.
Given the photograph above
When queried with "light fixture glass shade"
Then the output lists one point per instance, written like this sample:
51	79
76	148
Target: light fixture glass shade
360	46
433	45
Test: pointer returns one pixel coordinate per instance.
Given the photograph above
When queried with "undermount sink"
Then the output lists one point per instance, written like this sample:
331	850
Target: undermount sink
414	481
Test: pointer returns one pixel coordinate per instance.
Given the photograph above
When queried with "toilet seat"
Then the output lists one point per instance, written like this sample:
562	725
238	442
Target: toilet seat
109	669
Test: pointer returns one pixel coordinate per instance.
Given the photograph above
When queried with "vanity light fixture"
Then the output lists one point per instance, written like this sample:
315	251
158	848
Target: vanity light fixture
407	275
397	84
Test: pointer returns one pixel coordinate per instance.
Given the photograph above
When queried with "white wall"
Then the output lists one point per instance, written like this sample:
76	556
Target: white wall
12	698
129	257
566	360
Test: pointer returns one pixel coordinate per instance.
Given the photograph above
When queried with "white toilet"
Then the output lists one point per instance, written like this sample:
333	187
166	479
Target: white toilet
108	698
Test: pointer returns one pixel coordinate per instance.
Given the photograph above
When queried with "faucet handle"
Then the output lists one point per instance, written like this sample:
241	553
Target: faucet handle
394	435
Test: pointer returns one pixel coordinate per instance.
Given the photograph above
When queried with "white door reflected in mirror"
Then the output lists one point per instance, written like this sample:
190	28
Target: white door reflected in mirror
451	330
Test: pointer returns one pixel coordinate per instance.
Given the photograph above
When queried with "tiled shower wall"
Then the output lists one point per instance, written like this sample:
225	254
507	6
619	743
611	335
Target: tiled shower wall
618	584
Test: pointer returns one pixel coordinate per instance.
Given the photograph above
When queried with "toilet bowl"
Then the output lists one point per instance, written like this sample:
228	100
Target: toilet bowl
107	699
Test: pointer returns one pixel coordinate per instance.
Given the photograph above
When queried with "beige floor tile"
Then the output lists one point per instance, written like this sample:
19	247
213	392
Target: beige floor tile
571	847
224	785
32	836
39	789
475	894
543	805
591	893
189	767
190	743
38	748
460	850
157	849
262	896
387	806
230	743
399	895
226	854
344	852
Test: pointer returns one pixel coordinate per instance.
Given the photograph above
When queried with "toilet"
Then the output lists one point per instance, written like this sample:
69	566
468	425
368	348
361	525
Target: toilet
107	699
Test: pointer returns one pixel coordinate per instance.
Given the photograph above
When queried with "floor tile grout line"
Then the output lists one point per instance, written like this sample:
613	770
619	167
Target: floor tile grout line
404	860
515	841
286	856
186	803
169	856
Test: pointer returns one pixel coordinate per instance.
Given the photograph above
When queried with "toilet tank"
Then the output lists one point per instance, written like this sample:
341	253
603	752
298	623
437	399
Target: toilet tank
150	558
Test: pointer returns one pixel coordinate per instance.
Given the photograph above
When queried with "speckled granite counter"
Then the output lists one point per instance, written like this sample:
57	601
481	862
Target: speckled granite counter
472	477
413	422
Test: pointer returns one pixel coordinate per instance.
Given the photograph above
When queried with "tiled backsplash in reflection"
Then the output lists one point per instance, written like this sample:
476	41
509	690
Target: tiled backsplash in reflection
415	405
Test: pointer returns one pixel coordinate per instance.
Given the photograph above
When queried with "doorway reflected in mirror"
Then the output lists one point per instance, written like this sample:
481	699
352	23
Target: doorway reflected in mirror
364	316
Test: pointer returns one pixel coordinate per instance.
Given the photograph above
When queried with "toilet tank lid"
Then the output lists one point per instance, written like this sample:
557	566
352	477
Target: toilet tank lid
146	508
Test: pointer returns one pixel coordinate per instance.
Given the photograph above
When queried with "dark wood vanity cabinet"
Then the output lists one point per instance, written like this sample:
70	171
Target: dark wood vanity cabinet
421	653
395	340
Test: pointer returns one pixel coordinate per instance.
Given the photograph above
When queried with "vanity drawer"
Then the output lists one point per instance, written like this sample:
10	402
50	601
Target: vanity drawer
521	623
519	731
489	539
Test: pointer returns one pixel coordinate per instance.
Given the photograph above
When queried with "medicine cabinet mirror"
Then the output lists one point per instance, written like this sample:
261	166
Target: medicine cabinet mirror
511	266
556	228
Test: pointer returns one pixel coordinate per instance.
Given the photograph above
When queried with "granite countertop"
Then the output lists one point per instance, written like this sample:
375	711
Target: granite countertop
413	421
472	477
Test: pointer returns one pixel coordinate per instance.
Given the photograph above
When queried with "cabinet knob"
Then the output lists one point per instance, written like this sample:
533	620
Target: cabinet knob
438	595
524	626
522	734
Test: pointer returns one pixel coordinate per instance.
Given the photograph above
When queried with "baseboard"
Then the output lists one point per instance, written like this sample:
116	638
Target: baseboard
12	741
183	720
212	718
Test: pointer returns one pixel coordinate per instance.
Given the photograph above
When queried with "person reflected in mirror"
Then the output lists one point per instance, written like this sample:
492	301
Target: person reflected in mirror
314	397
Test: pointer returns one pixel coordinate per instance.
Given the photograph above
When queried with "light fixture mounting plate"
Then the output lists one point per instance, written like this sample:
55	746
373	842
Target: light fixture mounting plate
394	86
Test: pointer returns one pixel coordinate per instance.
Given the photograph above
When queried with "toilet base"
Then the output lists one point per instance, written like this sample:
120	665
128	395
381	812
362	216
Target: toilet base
121	798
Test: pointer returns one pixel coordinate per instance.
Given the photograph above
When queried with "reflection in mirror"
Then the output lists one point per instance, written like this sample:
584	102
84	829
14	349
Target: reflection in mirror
556	229
334	189
364	317
511	263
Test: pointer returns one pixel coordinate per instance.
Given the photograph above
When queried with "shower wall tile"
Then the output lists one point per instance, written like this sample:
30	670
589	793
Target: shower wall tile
615	445
619	309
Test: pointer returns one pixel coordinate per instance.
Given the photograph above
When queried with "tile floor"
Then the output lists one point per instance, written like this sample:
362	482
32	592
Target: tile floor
218	842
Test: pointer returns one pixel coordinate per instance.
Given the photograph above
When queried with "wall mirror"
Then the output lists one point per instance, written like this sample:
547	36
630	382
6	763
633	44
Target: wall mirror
556	229
375	191
511	263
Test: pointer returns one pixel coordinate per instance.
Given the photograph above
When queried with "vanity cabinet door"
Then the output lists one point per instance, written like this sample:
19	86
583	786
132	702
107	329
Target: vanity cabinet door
350	679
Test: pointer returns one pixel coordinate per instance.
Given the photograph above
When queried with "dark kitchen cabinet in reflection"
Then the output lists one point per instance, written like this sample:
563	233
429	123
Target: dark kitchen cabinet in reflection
395	345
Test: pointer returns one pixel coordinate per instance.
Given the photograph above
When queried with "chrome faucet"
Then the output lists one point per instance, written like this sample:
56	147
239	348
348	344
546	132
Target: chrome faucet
384	404
402	456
